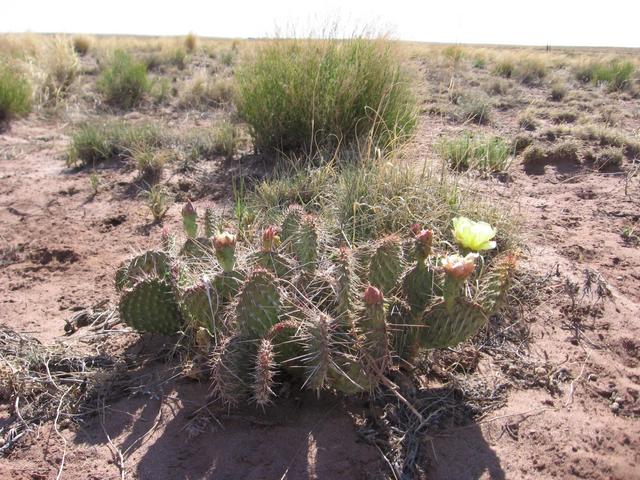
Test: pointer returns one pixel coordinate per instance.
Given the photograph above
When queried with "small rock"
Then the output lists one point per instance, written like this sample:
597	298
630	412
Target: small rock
619	400
592	377
540	371
615	407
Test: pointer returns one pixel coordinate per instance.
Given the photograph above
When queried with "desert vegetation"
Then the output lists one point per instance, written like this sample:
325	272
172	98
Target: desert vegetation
423	237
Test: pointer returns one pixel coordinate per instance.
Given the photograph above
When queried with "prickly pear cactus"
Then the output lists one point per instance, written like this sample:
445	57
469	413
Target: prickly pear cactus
385	266
305	244
496	283
154	263
197	248
258	304
150	306
373	324
199	305
210	222
190	220
318	342
232	363
264	372
419	288
291	222
345	282
447	327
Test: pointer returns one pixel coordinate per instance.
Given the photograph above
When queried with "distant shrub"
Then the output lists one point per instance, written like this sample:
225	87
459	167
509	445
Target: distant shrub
474	107
504	68
454	53
558	91
468	151
530	70
190	42
297	94
616	73
124	81
15	93
527	121
93	143
203	91
81	44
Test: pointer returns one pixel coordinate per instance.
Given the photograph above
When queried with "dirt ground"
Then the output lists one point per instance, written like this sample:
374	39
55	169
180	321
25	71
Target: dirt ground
59	246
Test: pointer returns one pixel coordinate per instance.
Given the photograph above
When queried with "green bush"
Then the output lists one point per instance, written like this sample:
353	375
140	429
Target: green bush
616	73
468	151
124	81
297	94
15	94
93	143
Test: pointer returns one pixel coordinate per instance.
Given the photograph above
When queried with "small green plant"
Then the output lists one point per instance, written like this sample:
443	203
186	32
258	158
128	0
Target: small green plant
468	151
455	53
124	81
160	90
15	93
479	62
630	235
94	180
158	201
299	94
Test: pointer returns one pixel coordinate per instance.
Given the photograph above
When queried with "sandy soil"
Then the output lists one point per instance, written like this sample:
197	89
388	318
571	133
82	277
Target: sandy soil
59	246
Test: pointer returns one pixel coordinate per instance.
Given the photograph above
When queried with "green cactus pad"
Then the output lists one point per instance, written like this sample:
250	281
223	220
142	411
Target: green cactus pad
305	244
199	305
418	288
496	283
385	266
345	281
153	263
211	221
228	284
350	377
231	372
444	327
150	306
258	305
291	222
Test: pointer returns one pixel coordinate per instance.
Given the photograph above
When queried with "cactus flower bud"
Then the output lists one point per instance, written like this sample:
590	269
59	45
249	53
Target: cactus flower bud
373	296
424	239
415	228
225	247
189	220
270	238
459	267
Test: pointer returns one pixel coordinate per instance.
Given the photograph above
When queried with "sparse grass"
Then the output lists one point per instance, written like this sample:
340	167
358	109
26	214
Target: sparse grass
124	81
607	158
504	68
54	70
298	94
15	93
468	151
564	116
160	90
150	162
607	137
206	143
369	199
531	70
94	181
203	91
455	53
497	86
615	73
93	143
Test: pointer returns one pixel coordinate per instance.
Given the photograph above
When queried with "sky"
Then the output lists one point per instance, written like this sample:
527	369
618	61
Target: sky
538	22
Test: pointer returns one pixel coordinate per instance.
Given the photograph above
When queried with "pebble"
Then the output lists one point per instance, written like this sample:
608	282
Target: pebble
592	377
615	407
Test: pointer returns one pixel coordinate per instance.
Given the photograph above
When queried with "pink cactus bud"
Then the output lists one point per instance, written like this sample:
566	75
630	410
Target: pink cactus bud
224	240
373	296
164	234
415	228
270	238
425	237
459	267
188	210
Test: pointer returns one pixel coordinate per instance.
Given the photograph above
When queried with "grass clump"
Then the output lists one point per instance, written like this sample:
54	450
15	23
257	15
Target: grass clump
53	70
15	93
191	42
531	70
558	91
468	151
504	68
223	140
124	81
81	45
93	143
150	163
527	121
203	92
475	108
564	116
615	73
608	137
608	158
365	200
299	94
158	201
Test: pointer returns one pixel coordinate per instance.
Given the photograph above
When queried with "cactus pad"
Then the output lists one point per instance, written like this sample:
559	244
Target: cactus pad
153	263
385	266
305	244
199	305
258	305
150	306
447	327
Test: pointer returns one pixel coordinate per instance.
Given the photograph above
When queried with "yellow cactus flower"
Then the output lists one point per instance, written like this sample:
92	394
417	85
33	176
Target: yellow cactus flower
474	236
